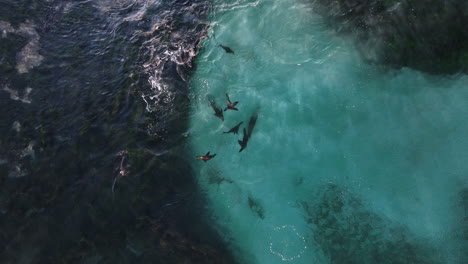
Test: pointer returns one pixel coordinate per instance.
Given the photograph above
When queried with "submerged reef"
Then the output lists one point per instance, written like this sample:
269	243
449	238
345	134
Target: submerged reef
463	224
348	232
427	35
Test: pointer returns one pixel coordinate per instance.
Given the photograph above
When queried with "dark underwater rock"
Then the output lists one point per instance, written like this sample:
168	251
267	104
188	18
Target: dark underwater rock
348	232
427	35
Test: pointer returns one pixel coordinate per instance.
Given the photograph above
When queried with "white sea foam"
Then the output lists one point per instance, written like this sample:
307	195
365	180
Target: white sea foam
5	28
17	172
14	94
16	126
29	151
29	56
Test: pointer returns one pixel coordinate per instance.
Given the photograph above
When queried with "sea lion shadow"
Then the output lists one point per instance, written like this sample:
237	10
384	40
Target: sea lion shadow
256	207
215	177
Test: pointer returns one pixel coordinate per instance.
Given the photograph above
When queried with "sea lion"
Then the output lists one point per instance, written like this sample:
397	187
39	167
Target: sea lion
230	105
234	130
218	111
227	49
206	157
244	141
122	169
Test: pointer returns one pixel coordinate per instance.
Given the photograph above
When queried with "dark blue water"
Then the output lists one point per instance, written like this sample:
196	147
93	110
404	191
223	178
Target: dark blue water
81	81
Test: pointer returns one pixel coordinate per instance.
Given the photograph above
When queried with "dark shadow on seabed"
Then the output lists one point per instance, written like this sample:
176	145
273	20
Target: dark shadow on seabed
58	141
429	36
348	232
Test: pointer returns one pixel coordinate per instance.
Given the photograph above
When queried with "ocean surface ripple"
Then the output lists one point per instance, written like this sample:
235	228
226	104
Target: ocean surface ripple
94	105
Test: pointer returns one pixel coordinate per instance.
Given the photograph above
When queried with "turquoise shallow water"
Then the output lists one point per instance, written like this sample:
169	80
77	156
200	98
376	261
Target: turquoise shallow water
348	162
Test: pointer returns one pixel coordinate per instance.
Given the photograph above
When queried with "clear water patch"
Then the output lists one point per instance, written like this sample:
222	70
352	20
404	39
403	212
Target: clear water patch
392	142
